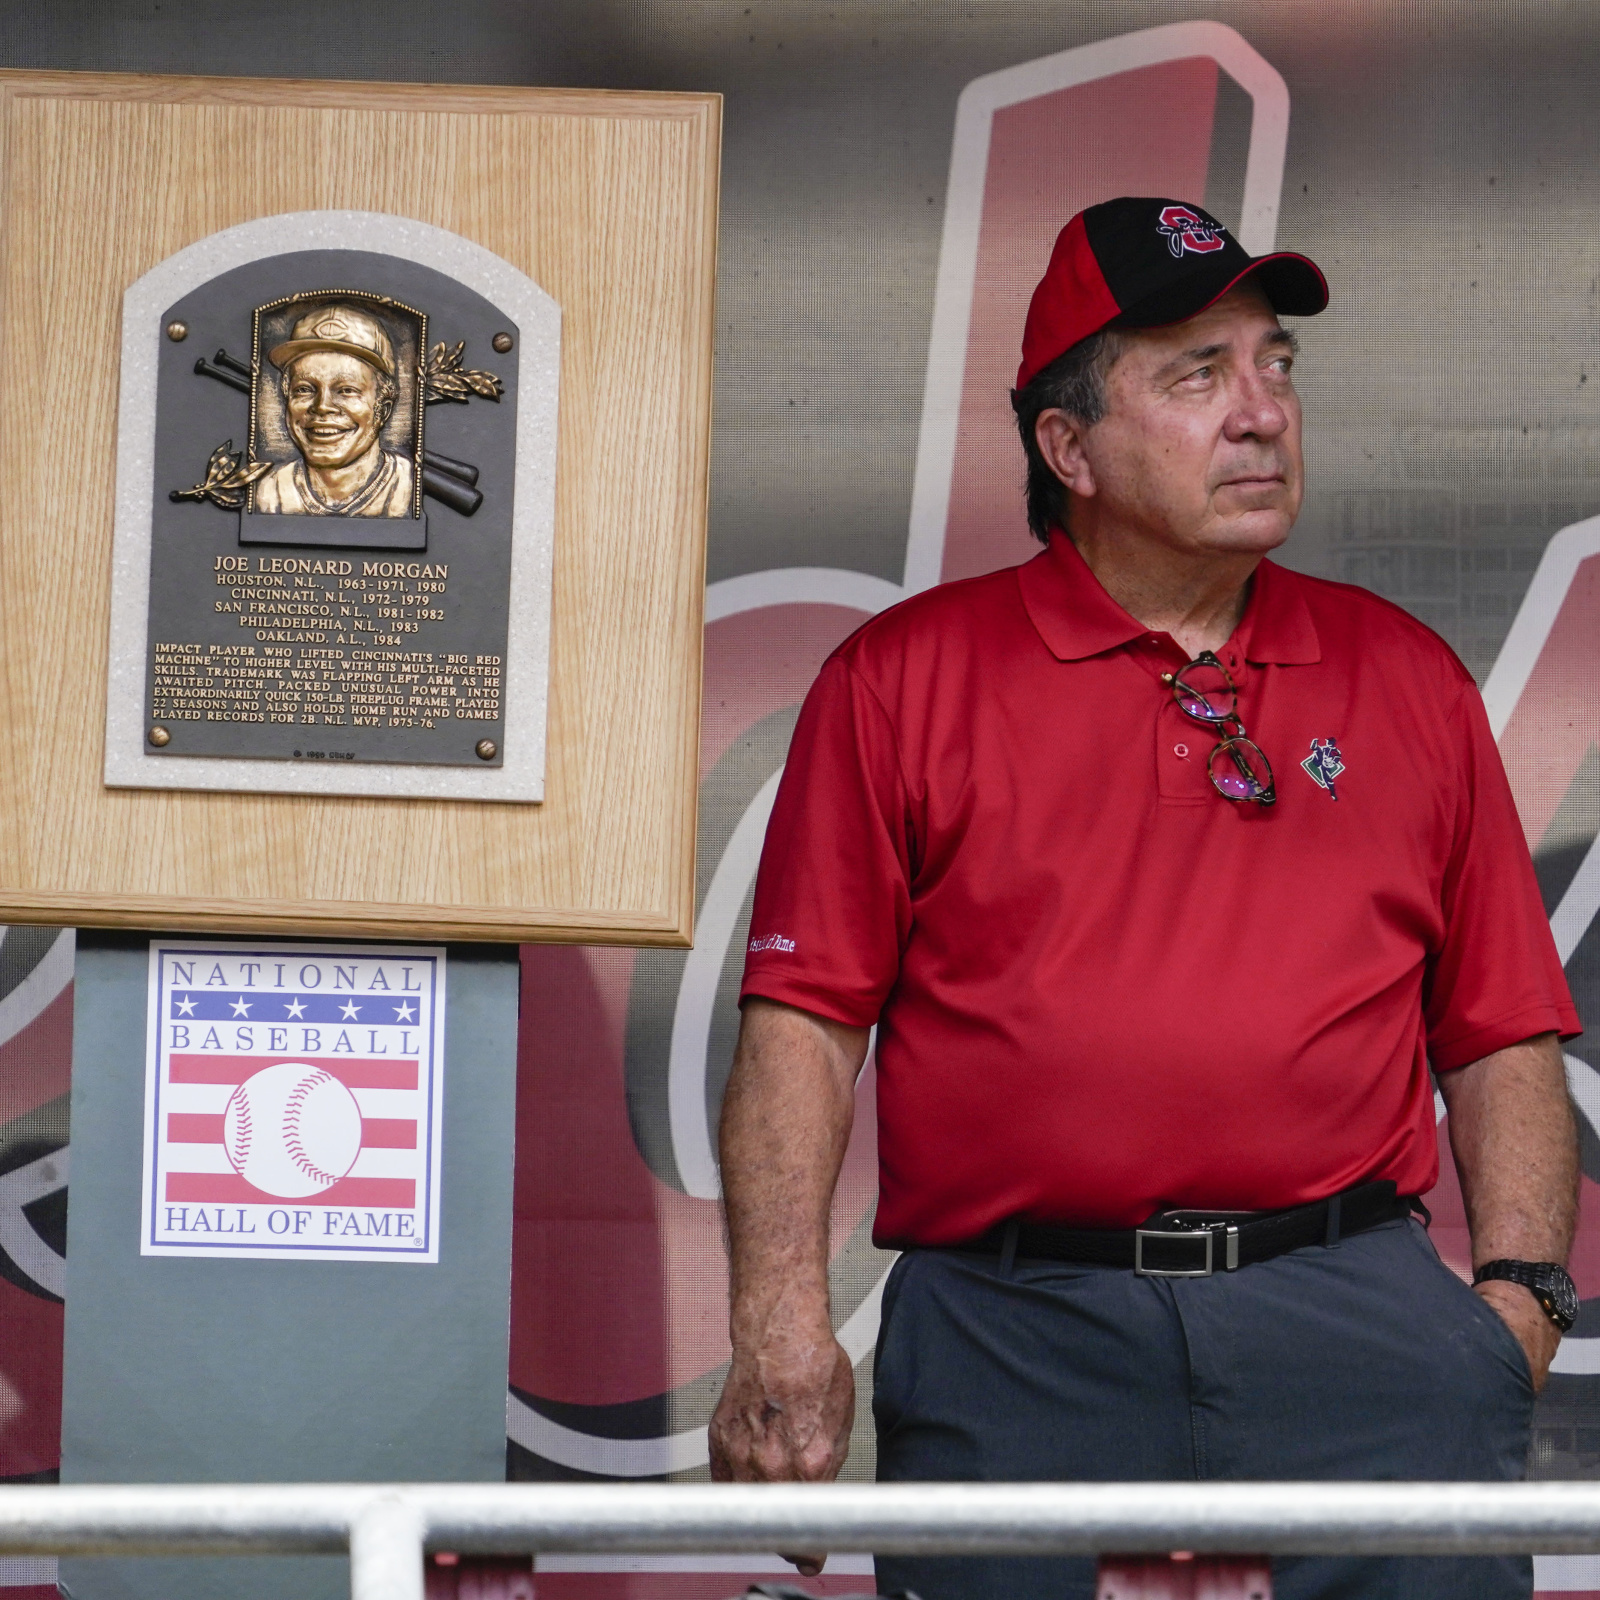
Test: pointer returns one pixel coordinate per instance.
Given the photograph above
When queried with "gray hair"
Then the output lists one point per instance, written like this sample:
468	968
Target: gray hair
1074	383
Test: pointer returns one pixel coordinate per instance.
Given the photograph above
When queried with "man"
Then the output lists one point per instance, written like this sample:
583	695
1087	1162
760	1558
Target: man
338	387
1165	874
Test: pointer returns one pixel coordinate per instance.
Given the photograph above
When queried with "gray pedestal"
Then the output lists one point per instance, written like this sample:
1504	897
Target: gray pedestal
204	1371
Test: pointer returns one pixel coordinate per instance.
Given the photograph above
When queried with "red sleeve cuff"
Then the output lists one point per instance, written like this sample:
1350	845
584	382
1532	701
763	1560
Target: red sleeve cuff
1513	1028
807	997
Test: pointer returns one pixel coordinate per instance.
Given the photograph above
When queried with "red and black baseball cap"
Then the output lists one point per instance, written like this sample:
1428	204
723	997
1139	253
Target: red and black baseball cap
1142	263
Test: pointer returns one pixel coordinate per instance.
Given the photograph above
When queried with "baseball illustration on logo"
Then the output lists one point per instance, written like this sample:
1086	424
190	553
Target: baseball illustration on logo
1324	764
292	1130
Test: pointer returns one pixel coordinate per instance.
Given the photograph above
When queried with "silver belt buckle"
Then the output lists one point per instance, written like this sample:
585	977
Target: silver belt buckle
1230	1261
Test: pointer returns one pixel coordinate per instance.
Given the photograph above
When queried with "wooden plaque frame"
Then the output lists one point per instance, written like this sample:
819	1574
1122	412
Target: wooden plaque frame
609	202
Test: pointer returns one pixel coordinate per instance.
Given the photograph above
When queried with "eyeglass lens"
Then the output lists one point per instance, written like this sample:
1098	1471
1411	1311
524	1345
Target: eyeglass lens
1240	769
1203	690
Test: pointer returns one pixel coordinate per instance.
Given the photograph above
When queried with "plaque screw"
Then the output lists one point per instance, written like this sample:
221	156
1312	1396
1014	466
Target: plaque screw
501	342
487	749
159	736
177	331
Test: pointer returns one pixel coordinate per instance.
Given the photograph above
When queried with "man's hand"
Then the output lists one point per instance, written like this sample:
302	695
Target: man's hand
789	1402
785	1413
1516	1147
785	1416
1525	1317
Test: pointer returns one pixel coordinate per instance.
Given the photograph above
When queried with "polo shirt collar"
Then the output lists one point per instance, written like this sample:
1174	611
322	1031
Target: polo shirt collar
1077	619
1277	626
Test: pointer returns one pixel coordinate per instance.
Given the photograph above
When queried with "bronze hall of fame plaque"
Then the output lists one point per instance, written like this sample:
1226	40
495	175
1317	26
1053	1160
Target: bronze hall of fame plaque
348	602
332	516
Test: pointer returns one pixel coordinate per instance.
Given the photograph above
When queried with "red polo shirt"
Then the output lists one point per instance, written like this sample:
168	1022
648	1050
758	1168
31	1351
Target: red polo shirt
1101	988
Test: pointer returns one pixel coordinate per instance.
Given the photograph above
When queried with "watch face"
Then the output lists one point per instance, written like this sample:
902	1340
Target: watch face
1556	1289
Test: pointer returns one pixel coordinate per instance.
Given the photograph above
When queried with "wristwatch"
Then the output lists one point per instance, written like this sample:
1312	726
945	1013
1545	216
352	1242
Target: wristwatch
1551	1286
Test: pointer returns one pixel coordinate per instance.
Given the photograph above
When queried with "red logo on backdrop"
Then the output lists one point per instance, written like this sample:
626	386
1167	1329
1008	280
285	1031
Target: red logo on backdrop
1184	230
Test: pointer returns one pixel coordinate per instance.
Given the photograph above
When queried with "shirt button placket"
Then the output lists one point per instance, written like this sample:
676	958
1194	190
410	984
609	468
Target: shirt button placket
1182	748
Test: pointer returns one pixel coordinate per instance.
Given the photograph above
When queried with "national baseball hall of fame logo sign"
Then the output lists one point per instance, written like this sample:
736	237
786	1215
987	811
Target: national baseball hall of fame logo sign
293	1095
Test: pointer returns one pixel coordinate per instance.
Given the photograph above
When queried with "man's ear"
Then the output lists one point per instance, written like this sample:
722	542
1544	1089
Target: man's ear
1060	438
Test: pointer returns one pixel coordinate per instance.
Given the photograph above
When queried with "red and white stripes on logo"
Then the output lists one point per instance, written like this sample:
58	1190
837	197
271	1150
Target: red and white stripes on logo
198	1169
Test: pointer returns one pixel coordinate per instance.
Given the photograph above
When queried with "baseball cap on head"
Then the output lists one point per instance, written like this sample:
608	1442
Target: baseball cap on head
341	328
1143	263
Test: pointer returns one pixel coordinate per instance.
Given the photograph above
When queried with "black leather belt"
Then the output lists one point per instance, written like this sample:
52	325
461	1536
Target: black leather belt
1195	1244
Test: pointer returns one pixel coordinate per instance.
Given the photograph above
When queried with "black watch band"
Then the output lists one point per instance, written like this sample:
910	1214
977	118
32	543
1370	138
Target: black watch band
1550	1285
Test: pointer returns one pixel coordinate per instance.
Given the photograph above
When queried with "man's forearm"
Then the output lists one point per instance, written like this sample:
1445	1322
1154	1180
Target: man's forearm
786	1121
1516	1149
1515	1142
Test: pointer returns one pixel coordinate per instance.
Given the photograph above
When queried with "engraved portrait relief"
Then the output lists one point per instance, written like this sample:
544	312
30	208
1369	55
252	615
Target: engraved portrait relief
337	383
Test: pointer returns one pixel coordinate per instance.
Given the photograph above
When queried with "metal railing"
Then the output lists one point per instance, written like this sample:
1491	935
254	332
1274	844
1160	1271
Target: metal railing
387	1527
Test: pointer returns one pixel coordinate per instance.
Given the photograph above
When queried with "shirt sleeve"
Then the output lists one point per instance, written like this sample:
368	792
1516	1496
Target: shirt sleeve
1496	978
833	901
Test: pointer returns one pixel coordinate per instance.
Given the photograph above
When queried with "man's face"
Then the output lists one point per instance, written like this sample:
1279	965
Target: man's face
1199	449
334	411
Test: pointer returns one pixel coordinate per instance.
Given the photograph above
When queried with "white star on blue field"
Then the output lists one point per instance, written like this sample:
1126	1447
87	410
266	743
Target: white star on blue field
211	1005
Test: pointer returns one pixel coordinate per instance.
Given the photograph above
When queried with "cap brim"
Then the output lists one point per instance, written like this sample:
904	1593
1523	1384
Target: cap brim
1293	285
281	354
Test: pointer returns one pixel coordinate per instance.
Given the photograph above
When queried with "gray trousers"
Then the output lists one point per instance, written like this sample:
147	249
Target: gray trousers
1367	1360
